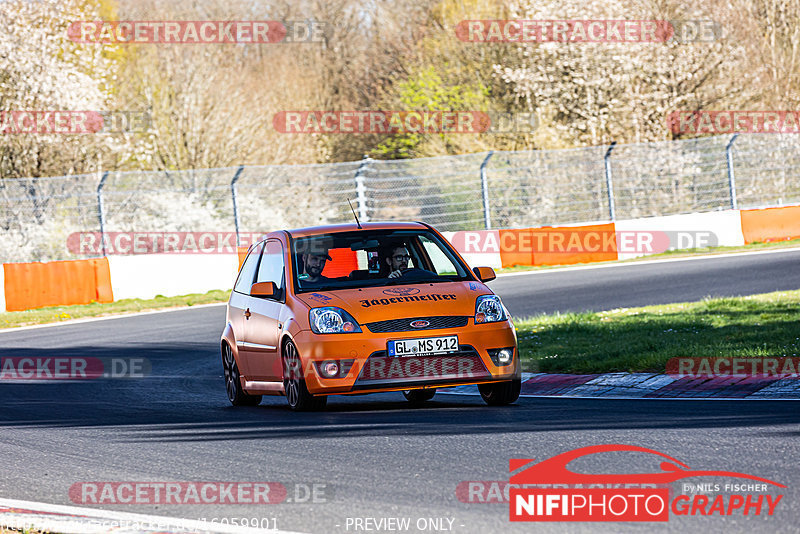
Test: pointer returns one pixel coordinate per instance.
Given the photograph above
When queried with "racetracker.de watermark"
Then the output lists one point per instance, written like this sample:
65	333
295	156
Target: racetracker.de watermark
714	367
127	243
191	492
403	122
733	121
428	368
434	366
588	31
196	31
566	241
45	122
45	368
499	491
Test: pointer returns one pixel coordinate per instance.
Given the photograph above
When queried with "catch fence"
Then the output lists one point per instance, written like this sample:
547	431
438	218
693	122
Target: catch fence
501	189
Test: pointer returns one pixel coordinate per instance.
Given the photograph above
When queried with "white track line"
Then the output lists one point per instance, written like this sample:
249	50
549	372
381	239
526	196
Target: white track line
623	263
107	317
73	519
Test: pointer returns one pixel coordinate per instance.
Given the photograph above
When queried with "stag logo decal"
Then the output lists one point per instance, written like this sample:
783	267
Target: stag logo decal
401	291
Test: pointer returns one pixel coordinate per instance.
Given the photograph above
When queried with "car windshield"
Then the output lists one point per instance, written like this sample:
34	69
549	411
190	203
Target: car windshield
348	260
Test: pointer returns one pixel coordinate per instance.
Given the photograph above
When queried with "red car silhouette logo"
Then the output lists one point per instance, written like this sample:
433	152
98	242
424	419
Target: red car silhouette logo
554	470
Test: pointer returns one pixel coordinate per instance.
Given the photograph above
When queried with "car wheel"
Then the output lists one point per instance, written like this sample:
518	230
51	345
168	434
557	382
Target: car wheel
500	393
233	385
297	395
418	396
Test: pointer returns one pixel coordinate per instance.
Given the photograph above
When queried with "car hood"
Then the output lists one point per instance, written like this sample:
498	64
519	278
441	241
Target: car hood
382	303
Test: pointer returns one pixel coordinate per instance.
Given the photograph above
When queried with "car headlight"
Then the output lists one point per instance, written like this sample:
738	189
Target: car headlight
489	309
332	320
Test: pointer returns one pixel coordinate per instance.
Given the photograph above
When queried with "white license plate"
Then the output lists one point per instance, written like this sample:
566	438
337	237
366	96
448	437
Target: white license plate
424	346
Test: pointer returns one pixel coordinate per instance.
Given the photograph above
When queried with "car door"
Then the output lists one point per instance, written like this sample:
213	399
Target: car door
240	303
262	328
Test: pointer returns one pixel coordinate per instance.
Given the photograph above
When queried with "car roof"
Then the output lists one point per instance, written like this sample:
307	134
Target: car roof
353	227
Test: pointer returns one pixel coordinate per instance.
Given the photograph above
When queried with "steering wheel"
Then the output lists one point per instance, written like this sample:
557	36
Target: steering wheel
413	272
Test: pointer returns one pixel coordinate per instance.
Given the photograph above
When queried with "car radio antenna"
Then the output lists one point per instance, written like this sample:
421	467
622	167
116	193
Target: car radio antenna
354	213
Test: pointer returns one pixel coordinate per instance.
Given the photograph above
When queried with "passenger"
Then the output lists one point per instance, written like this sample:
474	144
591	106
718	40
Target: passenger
313	265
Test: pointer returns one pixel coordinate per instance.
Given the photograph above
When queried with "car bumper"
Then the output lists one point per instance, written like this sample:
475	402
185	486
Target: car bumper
372	370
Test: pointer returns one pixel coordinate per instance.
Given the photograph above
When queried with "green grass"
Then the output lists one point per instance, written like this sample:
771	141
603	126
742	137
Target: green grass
643	339
671	254
56	314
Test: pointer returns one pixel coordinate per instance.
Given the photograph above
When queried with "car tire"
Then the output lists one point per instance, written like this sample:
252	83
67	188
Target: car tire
294	385
233	384
418	396
500	393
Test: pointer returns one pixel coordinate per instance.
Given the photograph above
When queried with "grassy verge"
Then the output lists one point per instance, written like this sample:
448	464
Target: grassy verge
672	254
643	339
56	314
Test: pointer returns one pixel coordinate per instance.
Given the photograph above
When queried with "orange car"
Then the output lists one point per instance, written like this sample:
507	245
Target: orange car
364	308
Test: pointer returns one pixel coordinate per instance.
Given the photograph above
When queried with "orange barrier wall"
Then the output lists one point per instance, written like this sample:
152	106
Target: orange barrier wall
558	245
771	224
56	283
510	253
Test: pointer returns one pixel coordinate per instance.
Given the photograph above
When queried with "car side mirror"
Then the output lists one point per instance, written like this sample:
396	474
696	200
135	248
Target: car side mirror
266	290
484	274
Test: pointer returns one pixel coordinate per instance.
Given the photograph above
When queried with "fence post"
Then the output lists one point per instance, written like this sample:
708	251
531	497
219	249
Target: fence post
487	219
609	181
235	202
361	191
101	213
731	176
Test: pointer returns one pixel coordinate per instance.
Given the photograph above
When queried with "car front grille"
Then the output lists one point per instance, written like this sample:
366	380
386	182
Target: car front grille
404	325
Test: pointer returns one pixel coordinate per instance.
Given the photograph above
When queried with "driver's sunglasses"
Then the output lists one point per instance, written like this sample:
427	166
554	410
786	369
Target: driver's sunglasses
402	257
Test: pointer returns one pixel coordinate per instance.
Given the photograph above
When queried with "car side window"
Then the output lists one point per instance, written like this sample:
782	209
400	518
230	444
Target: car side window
248	271
441	263
271	268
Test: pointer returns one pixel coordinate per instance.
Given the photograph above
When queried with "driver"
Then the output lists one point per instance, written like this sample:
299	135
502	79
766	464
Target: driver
397	259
